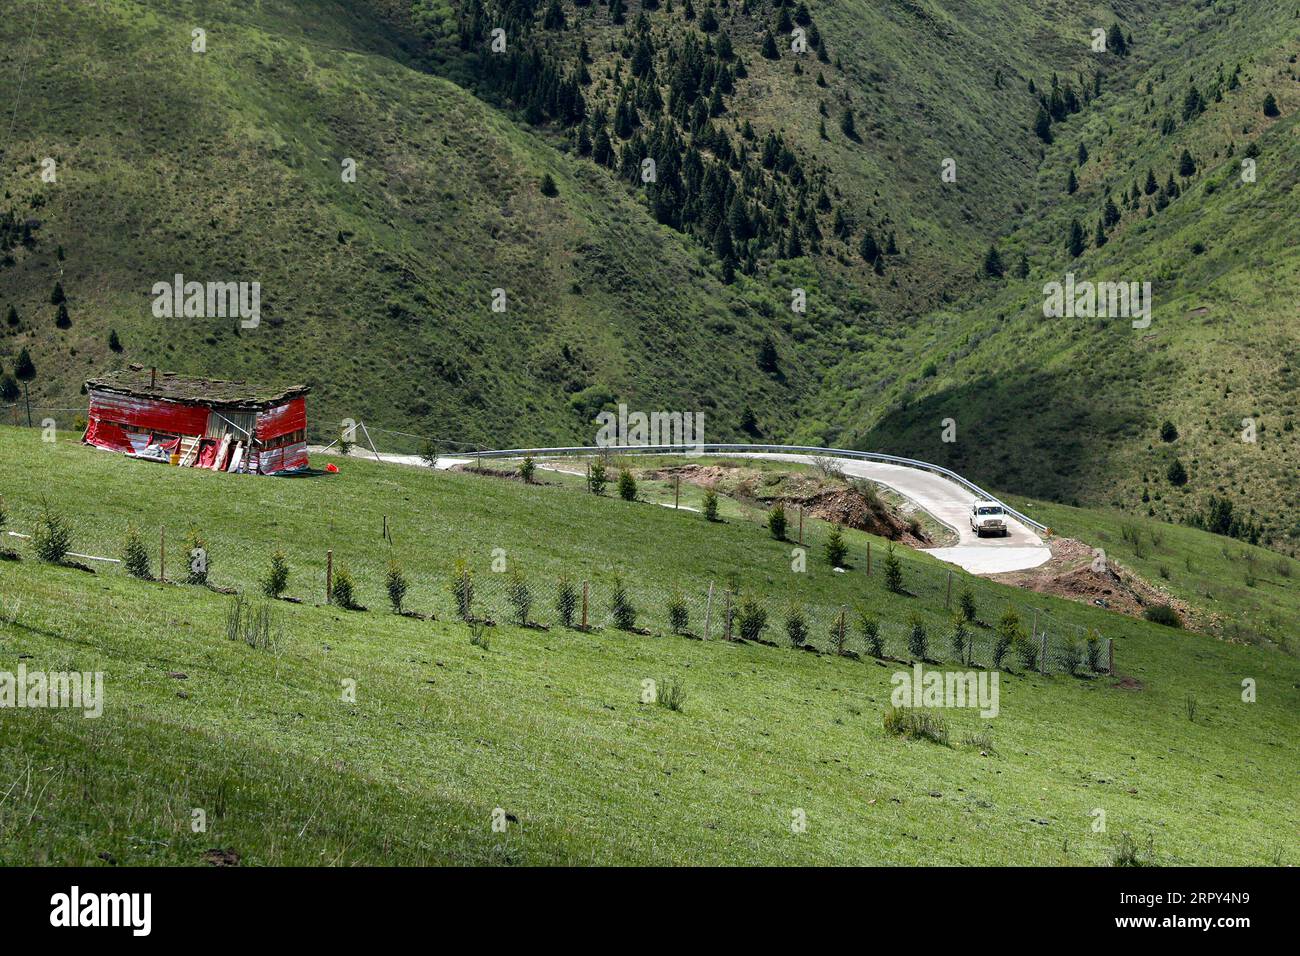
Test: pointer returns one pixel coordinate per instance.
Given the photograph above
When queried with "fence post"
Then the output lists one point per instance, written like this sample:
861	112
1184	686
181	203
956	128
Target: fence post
1110	655
726	615
868	559
329	576
708	611
677	491
842	632
162	555
1042	655
801	526
584	605
947	601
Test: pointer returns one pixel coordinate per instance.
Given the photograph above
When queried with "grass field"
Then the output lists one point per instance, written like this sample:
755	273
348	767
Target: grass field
548	725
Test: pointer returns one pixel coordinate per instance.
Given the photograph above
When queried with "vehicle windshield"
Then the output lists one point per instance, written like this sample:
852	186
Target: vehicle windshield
990	510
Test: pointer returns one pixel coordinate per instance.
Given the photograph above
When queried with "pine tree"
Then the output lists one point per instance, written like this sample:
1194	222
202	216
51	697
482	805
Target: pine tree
57	297
1270	106
114	343
868	248
1115	40
1099	237
1074	245
62	320
1186	165
1083	154
993	263
1071	184
1110	214
1151	185
11	317
770	52
847	125
1043	125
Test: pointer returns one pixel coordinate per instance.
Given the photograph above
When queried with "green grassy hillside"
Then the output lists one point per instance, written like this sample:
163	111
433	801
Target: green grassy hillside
228	165
548	725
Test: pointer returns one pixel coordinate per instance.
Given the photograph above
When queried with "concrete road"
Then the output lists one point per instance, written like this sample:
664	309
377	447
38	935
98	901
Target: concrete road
950	503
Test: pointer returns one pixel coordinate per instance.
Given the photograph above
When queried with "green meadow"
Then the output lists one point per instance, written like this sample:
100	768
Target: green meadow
365	737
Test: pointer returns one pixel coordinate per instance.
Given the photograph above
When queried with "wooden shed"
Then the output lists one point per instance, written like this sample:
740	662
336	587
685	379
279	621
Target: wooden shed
199	422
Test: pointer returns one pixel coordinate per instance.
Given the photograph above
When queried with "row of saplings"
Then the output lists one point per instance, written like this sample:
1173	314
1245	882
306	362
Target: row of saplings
746	618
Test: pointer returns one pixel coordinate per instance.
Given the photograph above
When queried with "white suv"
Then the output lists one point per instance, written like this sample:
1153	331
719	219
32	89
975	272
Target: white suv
988	517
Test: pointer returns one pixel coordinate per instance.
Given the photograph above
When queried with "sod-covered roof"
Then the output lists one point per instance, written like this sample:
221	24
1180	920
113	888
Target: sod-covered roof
172	386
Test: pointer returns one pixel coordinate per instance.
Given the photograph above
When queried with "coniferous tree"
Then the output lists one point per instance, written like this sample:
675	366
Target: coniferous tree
1099	237
1074	244
1270	105
993	263
1043	125
1110	214
847	125
1186	165
1115	42
770	52
1071	184
868	248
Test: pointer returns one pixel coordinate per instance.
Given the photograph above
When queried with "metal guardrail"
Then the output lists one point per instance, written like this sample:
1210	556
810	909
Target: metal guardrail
705	448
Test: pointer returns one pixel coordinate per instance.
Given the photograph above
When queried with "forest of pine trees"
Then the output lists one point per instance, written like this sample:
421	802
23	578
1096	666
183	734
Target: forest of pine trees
747	196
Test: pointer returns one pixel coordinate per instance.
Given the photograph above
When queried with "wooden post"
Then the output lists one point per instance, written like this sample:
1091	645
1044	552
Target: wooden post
842	634
708	611
1110	656
329	576
677	491
162	555
1042	655
947	601
868	559
801	526
584	605
726	615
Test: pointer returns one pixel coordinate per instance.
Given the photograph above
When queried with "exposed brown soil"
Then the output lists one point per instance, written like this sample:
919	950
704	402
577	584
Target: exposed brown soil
838	504
1070	575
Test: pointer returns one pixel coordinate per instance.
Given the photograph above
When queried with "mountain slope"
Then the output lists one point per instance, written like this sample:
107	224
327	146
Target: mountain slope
379	293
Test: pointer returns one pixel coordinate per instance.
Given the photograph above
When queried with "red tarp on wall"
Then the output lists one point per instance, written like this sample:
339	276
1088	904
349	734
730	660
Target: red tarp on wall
107	435
148	414
282	420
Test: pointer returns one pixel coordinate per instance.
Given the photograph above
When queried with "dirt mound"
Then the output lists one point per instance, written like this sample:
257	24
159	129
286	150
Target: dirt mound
847	505
1075	573
854	509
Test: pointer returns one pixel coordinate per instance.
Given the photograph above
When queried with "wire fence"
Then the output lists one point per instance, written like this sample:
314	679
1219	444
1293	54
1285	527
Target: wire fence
1038	642
717	610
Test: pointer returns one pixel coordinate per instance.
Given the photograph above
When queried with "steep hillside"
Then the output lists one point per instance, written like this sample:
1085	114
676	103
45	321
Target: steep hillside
228	165
775	171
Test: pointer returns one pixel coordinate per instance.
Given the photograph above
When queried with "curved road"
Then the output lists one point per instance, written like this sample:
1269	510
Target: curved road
950	503
945	499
